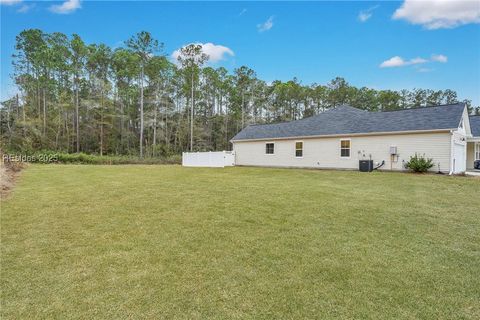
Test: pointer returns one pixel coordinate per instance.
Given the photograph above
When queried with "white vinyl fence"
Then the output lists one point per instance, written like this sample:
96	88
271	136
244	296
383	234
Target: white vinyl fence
218	159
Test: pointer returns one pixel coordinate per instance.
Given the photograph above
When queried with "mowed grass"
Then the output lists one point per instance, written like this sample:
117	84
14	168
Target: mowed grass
116	242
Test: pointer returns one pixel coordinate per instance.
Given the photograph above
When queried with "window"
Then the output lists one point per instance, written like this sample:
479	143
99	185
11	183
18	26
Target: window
299	149
270	148
477	150
345	148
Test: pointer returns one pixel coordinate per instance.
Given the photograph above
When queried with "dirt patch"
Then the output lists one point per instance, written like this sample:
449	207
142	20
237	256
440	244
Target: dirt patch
9	172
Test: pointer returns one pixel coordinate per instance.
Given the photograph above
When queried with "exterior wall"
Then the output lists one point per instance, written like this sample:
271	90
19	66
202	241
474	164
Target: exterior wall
470	154
325	152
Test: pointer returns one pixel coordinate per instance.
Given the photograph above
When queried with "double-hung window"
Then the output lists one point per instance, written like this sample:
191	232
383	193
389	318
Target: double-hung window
299	149
270	148
345	146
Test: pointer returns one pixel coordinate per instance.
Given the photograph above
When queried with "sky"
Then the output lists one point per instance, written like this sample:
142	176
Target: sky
392	45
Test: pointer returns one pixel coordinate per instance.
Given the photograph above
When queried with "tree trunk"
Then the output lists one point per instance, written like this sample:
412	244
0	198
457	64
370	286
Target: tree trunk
77	118
166	126
24	120
101	134
101	124
67	131
141	112
17	106
191	116
44	113
243	111
38	100
154	140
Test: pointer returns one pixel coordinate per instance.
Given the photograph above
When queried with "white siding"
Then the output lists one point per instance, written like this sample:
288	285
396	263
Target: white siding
325	152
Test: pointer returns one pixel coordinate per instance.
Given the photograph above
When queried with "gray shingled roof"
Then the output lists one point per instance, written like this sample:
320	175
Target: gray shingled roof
348	120
475	125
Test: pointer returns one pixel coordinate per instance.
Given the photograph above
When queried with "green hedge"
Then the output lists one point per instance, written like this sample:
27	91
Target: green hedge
419	164
83	158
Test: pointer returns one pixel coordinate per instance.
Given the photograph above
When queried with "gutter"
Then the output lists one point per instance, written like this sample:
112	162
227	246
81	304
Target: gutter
348	135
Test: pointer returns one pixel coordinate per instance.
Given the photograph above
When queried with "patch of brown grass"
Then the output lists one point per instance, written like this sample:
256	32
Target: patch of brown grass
9	172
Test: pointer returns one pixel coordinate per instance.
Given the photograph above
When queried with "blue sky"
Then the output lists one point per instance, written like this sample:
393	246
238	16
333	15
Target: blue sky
383	45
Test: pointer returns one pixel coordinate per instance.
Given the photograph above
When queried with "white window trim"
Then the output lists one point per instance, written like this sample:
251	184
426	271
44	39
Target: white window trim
295	148
265	146
477	151
350	153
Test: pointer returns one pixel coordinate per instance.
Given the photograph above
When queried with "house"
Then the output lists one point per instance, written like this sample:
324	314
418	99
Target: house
340	137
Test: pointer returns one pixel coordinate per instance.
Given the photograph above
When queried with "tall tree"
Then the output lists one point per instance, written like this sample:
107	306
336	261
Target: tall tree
244	78
99	58
144	46
78	52
159	72
191	58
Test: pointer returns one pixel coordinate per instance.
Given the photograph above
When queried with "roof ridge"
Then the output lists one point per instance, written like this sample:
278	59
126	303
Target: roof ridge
426	107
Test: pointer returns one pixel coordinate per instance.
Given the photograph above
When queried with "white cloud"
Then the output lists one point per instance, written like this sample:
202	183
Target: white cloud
10	2
398	61
242	12
267	25
393	62
215	52
417	60
364	15
68	6
424	70
437	14
25	8
439	58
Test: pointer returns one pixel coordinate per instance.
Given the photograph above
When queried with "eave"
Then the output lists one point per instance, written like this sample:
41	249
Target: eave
348	135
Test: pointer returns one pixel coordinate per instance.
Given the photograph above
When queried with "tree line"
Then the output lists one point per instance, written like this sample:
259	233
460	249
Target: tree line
133	100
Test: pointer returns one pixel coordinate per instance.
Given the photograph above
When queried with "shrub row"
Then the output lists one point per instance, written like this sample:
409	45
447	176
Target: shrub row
83	158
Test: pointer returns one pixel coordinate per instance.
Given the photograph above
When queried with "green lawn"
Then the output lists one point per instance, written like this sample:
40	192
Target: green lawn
239	243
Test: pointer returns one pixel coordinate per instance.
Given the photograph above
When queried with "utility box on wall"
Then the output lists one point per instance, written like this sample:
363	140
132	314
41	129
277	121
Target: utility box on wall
393	150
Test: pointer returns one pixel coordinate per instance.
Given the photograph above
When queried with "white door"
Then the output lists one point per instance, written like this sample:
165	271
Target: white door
459	160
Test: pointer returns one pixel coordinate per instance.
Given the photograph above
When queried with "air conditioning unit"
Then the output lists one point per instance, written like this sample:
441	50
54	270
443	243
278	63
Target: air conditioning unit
393	151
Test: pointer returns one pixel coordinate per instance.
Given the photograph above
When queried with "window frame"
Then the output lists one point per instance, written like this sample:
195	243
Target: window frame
295	148
349	148
270	154
477	151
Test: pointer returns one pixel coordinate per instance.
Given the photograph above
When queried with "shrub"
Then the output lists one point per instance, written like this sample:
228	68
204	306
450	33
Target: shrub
419	164
83	158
